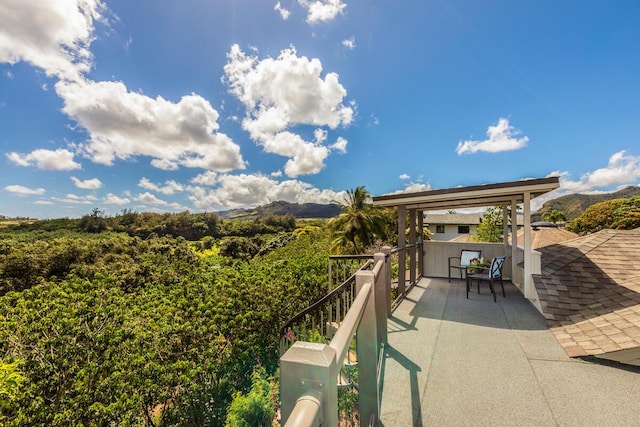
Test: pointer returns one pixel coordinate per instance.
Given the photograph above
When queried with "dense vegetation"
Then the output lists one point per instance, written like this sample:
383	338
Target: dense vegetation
620	214
141	326
573	205
148	224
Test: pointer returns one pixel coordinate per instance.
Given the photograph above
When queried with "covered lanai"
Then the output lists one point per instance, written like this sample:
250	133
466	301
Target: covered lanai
506	194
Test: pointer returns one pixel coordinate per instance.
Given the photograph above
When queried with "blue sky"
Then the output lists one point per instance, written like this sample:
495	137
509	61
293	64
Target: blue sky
209	105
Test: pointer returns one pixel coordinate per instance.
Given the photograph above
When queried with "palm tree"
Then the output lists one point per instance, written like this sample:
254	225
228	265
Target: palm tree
554	216
359	223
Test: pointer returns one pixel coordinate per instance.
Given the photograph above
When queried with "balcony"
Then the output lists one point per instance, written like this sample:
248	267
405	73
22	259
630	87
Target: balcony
444	359
434	357
472	362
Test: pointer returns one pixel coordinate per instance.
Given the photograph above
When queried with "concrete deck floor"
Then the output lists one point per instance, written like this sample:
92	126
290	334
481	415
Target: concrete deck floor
452	361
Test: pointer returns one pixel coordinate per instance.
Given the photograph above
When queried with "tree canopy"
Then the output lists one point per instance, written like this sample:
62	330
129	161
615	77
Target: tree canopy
109	329
490	228
358	225
554	216
620	214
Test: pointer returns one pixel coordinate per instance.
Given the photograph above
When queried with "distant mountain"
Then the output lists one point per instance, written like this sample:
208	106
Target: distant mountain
305	210
574	204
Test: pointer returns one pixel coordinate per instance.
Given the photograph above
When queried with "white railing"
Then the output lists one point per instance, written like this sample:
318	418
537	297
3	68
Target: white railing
309	372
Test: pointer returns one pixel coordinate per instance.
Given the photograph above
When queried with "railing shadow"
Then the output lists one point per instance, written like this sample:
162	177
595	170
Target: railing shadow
413	369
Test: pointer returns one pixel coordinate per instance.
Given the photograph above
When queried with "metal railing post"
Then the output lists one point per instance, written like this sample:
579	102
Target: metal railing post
310	368
367	352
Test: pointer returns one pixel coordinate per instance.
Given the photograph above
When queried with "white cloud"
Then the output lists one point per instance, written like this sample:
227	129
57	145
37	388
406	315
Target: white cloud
349	43
322	10
89	184
502	137
150	199
124	124
622	170
242	191
43	202
415	187
169	187
284	13
340	145
206	178
305	158
75	199
165	164
281	93
24	191
60	159
404	176
412	187
112	199
54	36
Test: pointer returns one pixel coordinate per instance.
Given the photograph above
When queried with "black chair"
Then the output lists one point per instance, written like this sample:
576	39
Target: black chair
463	261
493	274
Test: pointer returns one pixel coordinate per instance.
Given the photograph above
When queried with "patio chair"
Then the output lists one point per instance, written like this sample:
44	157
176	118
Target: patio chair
463	261
493	274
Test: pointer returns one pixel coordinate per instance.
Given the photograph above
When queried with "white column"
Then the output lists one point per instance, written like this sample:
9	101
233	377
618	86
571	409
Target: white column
421	240
505	227
514	239
528	282
367	350
402	250
412	251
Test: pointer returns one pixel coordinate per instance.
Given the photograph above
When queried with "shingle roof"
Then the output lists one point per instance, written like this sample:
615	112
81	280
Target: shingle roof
589	291
546	236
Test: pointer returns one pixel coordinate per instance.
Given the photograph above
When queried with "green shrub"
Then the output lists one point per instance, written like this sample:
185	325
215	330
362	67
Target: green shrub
256	408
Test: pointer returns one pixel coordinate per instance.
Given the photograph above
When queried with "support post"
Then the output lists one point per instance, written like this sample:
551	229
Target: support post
514	241
420	244
505	227
402	250
386	250
367	351
380	290
528	282
309	368
412	243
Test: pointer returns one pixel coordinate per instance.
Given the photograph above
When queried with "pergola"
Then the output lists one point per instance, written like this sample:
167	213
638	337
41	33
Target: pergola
506	194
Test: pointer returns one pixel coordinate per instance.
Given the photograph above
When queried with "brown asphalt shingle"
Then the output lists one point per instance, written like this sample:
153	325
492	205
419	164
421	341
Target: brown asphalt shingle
589	291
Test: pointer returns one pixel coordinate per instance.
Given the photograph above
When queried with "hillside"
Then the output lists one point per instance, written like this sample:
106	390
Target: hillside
574	204
305	210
